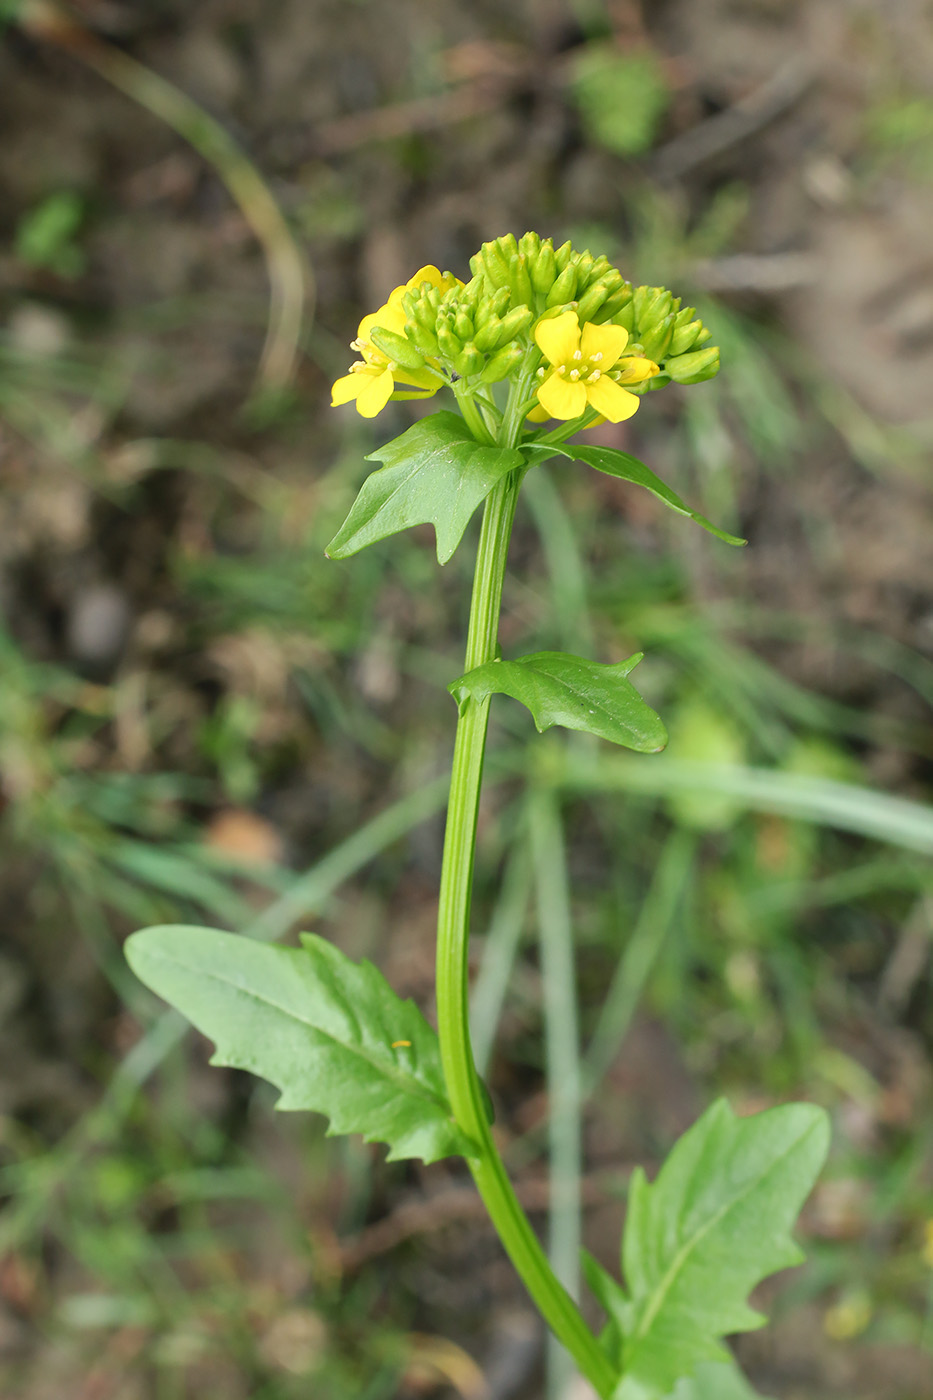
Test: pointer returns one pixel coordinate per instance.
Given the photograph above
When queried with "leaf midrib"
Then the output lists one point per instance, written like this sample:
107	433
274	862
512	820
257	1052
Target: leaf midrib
597	706
683	1254
389	1072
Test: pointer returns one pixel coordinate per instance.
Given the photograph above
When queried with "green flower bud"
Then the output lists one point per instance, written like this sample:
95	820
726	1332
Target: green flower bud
469	361
685	336
448	343
543	269
502	364
397	347
591	300
614	304
470	294
652	304
492	306
529	245
564	288
625	316
520	282
507	246
563	255
463	326
512	325
655	341
487	337
422	338
695	367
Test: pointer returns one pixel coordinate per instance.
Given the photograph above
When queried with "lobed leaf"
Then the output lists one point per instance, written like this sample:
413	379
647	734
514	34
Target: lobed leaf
331	1034
574	693
628	468
716	1382
714	1223
436	474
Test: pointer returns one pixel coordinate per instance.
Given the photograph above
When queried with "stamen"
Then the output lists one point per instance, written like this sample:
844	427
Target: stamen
356	345
561	369
592	378
597	357
574	375
541	372
578	354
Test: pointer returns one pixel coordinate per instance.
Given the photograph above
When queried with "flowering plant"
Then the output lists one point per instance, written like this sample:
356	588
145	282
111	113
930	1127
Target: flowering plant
538	336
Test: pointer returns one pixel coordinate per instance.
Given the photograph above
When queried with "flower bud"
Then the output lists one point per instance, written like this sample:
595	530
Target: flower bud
512	325
529	245
591	301
448	343
564	288
652	304
614	303
625	316
397	347
520	282
469	361
543	269
423	339
487	337
685	332
563	255
655	341
695	367
463	326
502	364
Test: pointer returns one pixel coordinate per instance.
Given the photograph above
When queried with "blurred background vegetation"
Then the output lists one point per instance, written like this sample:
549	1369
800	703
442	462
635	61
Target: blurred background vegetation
202	719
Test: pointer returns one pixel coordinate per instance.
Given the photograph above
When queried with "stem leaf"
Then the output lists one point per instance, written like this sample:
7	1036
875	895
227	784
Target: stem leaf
572	692
715	1222
331	1034
628	468
436	473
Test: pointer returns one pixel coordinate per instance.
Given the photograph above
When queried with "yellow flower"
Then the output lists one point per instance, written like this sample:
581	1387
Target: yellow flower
372	380
587	370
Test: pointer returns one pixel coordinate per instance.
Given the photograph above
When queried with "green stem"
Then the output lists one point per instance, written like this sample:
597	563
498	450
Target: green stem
463	1083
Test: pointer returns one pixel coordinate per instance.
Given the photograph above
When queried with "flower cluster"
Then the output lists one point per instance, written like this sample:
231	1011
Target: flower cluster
567	324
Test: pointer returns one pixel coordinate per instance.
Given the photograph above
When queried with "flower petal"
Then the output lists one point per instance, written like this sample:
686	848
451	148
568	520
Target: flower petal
636	369
345	389
421	378
538	415
561	397
609	341
610	400
559	337
375	393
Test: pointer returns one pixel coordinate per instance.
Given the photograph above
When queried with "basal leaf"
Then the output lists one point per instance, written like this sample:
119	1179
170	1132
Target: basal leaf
714	1223
436	473
628	468
329	1033
572	692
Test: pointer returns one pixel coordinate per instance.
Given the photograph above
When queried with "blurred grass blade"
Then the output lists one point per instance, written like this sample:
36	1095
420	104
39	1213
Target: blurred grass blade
562	1058
290	282
823	801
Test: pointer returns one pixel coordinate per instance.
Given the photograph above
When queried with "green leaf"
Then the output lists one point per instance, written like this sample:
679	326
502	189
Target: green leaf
628	468
572	692
622	97
716	1382
436	473
714	1223
329	1033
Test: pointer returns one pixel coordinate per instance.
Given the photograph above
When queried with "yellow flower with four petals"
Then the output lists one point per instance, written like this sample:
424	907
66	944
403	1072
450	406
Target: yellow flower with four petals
587	369
372	380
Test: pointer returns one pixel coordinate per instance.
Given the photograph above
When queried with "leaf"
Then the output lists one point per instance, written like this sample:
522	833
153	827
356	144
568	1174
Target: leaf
714	1223
320	1027
572	692
628	468
716	1382
436	473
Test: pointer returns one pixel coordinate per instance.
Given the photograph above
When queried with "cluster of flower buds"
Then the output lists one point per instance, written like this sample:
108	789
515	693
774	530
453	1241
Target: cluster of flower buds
671	334
469	331
437	330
